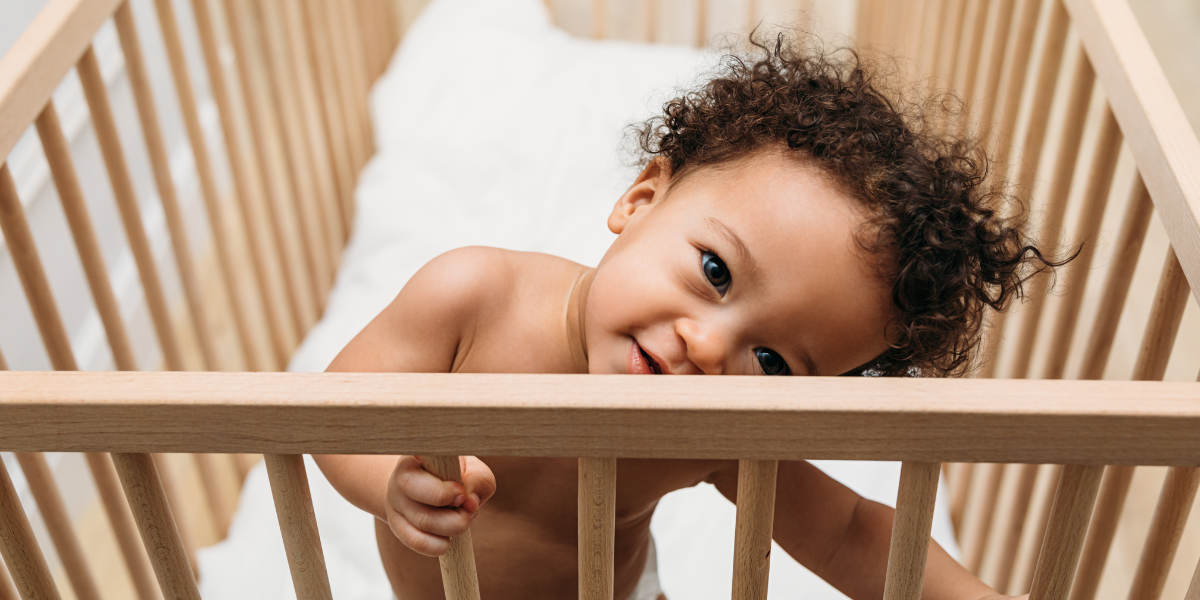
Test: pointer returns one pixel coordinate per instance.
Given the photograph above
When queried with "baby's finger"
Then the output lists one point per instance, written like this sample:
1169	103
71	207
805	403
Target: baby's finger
445	522
425	487
417	540
479	481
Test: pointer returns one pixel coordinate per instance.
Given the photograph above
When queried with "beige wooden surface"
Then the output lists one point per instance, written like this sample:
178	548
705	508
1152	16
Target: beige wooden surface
752	535
563	415
597	516
910	531
459	578
298	524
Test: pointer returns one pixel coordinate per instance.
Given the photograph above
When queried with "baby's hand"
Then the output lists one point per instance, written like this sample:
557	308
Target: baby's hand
425	512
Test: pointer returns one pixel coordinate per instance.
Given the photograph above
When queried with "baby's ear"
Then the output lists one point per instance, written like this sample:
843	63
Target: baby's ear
647	190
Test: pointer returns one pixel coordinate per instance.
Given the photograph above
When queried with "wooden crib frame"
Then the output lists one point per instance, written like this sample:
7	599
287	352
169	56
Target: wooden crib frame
293	113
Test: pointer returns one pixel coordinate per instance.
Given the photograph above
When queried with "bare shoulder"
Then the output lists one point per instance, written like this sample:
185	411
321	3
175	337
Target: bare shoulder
466	276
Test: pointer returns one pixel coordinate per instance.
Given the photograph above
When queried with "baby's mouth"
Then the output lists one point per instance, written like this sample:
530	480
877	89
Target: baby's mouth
647	363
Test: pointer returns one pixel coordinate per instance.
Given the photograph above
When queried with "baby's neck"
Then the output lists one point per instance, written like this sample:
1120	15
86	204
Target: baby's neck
575	311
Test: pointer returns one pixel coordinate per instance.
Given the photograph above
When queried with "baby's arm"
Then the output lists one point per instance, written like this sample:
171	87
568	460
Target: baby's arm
423	330
844	538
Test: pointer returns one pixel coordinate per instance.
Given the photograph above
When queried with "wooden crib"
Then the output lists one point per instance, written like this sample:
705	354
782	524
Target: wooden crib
1039	468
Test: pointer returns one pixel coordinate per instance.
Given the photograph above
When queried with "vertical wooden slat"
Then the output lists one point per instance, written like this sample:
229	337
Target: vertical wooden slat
268	149
58	523
19	547
344	83
336	133
1064	537
290	116
597	504
967	67
298	524
1128	248
910	530
949	39
24	253
70	194
124	529
313	130
1044	89
752	536
223	241
155	521
1095	200
1082	82
170	485
139	82
248	182
95	91
599	19
702	23
1170	516
987	83
459	578
362	80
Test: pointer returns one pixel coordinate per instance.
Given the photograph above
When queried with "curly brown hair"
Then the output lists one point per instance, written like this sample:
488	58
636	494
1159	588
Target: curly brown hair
950	242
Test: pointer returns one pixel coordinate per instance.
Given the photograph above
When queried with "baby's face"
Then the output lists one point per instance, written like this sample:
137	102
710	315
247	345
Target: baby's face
747	269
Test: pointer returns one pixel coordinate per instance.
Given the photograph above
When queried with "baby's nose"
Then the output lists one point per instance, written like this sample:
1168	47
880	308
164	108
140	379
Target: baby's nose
705	346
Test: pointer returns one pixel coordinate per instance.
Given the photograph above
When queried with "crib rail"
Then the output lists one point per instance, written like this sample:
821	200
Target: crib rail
760	421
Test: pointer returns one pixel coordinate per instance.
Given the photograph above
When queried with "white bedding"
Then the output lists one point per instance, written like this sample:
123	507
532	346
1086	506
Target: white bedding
494	128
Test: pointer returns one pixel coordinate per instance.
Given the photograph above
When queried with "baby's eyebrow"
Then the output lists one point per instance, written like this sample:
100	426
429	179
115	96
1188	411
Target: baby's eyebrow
730	236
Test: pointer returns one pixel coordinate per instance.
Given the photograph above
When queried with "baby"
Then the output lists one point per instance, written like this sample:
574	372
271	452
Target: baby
790	219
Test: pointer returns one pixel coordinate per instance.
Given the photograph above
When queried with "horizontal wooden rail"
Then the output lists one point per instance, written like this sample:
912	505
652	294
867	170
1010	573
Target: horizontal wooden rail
41	57
931	420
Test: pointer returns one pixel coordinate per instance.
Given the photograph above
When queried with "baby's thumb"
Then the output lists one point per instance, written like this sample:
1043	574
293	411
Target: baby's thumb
479	481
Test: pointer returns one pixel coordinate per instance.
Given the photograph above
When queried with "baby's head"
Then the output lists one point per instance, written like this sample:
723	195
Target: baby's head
793	218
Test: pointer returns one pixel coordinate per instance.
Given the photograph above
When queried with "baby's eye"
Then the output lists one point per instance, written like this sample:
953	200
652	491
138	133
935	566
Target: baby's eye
771	363
715	271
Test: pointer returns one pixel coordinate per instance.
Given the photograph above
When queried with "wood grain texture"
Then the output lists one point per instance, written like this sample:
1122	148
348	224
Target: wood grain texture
1164	145
173	493
22	554
70	195
459	578
96	92
58	524
910	530
752	536
156	523
1170	516
156	149
1039	531
932	420
24	254
37	62
298	524
1073	503
597	515
125	532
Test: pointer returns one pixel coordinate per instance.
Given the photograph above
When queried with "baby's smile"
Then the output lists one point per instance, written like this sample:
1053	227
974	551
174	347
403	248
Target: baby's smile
642	362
